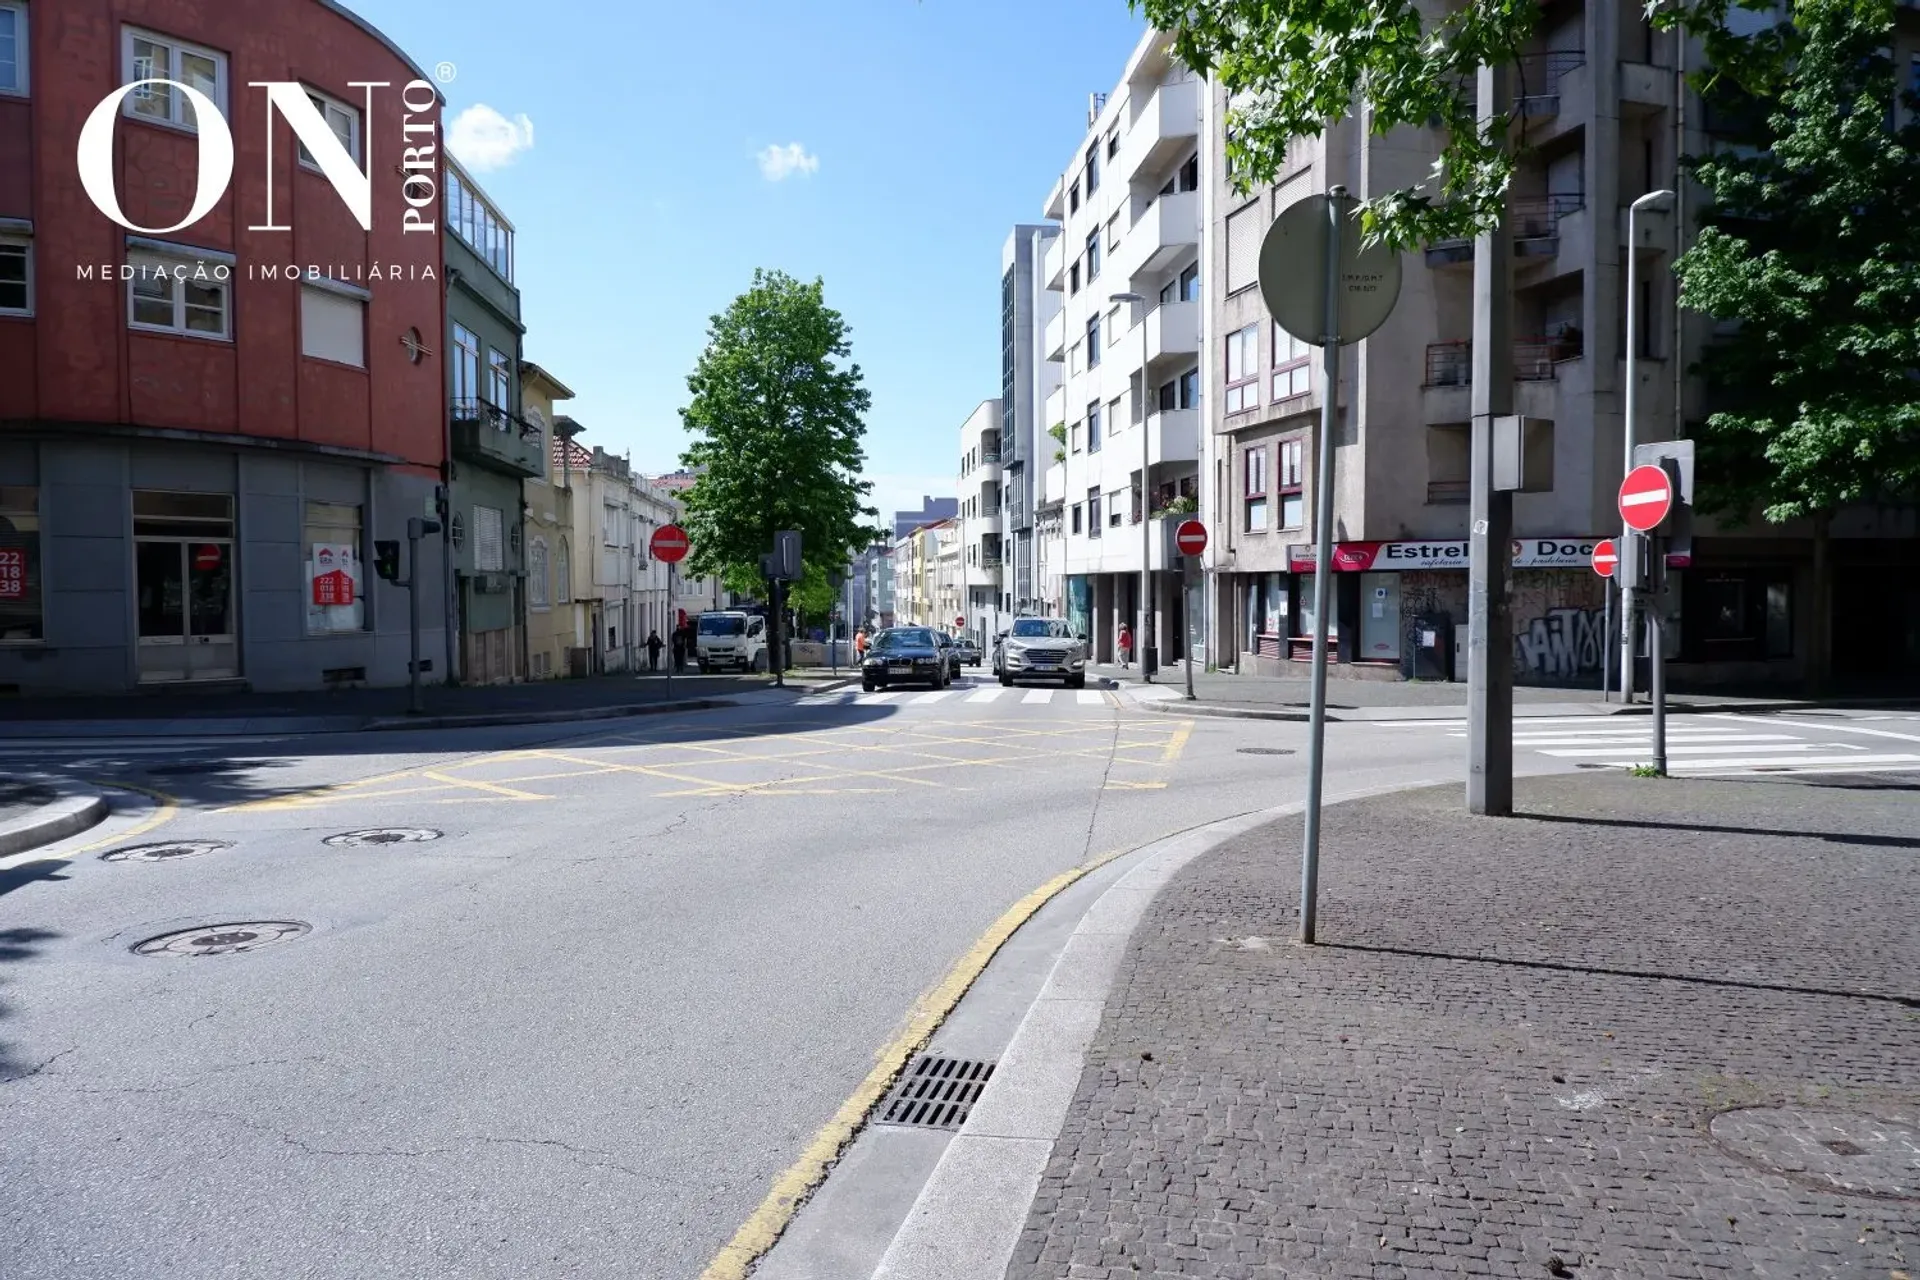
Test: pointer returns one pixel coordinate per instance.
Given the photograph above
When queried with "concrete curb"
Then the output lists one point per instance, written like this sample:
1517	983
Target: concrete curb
1181	707
570	716
966	1222
71	812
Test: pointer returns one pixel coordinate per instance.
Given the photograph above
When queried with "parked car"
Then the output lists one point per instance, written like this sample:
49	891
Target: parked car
950	648
730	639
906	655
969	650
1041	649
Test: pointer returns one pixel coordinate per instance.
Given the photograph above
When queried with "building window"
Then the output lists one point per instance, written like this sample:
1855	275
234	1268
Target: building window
500	383
1093	168
1073	198
466	371
489	540
610	525
146	56
333	326
342	119
13	46
1181	393
484	231
537	573
1093	342
1113	233
1293	513
1292	373
1243	369
1115	331
1073	278
1093	513
1190	283
16	270
1076	517
1113	142
178	294
1093	427
334	580
21	590
1093	255
1254	465
1115	516
563	574
1074	433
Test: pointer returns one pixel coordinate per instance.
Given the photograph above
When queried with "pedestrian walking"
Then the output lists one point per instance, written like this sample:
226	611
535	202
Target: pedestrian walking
1125	641
654	646
860	644
679	648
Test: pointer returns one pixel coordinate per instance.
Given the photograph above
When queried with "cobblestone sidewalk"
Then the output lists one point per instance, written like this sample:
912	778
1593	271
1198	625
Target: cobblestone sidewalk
1658	1028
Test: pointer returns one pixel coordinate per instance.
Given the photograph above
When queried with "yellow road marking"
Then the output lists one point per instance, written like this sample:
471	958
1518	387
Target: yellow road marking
1178	742
316	795
169	807
791	1188
509	792
1115	784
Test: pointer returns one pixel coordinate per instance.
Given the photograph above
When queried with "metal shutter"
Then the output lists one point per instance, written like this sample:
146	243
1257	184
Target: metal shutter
1245	227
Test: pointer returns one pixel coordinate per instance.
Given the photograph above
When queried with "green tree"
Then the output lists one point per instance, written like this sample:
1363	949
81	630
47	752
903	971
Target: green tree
1811	249
777	416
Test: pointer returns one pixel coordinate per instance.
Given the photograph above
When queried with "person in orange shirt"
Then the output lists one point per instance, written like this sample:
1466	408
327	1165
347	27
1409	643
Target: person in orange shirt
859	644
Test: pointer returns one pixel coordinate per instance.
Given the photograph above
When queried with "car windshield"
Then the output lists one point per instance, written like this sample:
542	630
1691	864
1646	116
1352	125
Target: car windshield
719	624
904	638
1039	629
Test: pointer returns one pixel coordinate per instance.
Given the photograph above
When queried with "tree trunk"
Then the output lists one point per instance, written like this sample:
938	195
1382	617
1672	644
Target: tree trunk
1820	613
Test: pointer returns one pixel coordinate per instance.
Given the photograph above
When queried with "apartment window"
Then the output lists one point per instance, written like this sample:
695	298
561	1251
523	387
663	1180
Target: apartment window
1073	277
1113	232
1093	341
1093	427
500	383
489	540
1113	142
470	217
537	573
1073	358
1169	293
342	119
1292	372
1073	198
13	46
1243	369
179	294
336	599
1190	283
1093	168
1093	255
466	370
1185	178
16	271
610	525
1254	465
1115	331
146	56
563	574
1292	504
333	326
21	589
1181	393
1093	513
1245	231
1113	412
1074	433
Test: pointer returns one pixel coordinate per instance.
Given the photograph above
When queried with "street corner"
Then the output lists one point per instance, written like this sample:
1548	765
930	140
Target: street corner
37	811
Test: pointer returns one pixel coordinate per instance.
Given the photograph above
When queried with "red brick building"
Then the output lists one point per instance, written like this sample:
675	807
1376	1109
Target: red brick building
196	462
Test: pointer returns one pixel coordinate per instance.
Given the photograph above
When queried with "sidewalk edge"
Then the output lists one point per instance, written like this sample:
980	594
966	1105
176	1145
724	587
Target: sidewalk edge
573	715
966	1222
73	812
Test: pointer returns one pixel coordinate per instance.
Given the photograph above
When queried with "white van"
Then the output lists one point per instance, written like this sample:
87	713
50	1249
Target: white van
730	641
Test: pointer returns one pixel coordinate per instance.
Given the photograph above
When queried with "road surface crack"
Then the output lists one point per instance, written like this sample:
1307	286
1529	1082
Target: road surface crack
37	1069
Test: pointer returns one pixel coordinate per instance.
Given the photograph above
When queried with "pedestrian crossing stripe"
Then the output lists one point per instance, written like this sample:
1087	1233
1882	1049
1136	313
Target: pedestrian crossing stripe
931	697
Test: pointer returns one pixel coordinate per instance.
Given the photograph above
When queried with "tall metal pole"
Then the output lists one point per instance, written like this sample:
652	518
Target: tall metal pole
1322	570
671	618
1186	612
1626	451
1657	643
1147	648
1606	638
1489	624
415	526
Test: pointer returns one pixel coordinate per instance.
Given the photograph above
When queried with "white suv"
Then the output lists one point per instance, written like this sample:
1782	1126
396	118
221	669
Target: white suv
1041	649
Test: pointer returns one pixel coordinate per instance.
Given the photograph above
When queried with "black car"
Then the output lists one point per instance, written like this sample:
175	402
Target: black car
906	655
969	650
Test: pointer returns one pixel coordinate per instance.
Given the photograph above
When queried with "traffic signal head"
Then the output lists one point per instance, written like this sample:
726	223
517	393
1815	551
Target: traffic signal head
386	560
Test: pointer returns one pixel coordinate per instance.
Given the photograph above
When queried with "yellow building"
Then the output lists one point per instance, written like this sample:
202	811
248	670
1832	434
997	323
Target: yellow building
549	525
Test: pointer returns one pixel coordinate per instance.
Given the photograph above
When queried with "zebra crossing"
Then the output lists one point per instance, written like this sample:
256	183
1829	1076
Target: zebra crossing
1721	744
961	696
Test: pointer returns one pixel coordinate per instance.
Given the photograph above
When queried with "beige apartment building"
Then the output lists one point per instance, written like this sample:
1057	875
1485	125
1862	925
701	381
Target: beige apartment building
1599	106
548	501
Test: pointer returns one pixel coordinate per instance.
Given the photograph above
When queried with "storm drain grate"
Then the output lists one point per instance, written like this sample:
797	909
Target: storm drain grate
935	1093
380	836
1265	751
165	852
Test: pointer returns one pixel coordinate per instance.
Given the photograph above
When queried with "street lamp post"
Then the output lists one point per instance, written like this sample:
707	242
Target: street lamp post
1148	653
1651	200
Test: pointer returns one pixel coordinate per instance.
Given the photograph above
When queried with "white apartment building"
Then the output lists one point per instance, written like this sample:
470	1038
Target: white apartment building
652	609
1127	413
1027	379
982	521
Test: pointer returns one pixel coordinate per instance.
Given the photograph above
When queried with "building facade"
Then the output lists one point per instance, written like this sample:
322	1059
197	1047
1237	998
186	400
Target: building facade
198	445
985	495
1128	338
550	629
931	509
1027	379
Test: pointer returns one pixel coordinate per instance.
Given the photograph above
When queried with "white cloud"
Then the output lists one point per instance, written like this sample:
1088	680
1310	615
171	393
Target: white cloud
482	139
777	164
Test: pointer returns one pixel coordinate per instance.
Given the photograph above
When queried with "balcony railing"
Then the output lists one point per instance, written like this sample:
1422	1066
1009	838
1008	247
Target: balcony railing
1449	492
1450	364
1536	81
1536	217
488	433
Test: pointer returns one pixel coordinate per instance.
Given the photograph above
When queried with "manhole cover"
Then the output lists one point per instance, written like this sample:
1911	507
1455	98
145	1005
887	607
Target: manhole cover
382	835
222	939
1265	751
935	1093
165	852
1833	1150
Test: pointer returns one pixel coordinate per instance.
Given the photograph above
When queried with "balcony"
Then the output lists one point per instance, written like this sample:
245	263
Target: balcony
1653	229
1644	89
1173	332
1163	234
1449	364
1056	409
488	435
1536	222
1161	132
1450	253
989	521
1173	435
1053	263
1053	484
1449	493
1536	80
1056	206
1056	337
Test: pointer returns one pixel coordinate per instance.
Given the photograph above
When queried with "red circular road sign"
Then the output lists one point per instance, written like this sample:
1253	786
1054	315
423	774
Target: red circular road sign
1190	537
1646	496
669	543
1605	558
206	556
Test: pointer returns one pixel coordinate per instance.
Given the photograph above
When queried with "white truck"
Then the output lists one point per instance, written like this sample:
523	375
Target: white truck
730	641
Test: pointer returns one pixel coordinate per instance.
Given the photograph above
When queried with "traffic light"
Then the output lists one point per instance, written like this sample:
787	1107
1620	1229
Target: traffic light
386	560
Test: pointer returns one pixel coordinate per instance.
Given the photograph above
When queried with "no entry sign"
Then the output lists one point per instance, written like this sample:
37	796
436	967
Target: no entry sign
1646	496
1190	537
1605	558
669	544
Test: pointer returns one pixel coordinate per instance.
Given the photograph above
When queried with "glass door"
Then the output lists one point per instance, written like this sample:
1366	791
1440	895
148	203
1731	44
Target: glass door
160	575
183	581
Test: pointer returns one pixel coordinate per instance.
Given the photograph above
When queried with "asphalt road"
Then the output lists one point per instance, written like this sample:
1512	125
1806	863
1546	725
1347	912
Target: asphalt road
580	1031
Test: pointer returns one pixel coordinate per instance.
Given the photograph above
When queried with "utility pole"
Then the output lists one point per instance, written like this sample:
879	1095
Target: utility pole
417	528
1489	624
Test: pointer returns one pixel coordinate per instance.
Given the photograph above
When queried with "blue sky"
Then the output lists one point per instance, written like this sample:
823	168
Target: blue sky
642	208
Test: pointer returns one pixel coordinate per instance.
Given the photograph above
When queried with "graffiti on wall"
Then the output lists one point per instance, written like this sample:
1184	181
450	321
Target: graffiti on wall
1561	644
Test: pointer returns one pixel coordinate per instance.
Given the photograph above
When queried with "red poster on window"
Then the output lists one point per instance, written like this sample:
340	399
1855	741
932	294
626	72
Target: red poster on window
13	573
333	587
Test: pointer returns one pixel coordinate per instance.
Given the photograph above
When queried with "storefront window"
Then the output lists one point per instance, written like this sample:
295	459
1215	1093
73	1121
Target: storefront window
334	580
21	616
